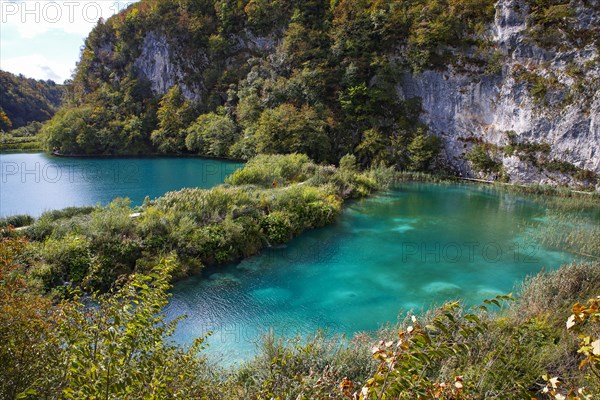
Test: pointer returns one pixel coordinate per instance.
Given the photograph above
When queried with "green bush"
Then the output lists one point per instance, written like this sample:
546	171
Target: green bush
56	220
278	227
560	166
70	258
348	163
266	170
16	221
319	361
481	159
312	207
211	135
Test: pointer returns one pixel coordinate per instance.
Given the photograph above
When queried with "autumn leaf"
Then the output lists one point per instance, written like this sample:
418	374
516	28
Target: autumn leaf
571	321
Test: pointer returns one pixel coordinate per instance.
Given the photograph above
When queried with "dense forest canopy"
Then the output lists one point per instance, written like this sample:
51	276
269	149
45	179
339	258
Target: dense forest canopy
259	76
24	100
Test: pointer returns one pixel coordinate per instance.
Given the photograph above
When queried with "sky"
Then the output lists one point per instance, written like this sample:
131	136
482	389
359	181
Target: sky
43	39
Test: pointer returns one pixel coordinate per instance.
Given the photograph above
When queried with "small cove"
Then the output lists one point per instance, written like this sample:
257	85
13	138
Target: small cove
31	183
406	249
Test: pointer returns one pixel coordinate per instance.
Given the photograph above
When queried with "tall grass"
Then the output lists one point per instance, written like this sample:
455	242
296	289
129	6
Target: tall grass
578	233
416	176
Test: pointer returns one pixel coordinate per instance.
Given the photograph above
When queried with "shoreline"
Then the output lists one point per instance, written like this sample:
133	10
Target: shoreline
529	189
529	186
145	155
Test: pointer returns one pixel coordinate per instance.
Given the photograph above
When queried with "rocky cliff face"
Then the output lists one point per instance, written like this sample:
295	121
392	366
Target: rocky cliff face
157	63
537	114
163	64
465	109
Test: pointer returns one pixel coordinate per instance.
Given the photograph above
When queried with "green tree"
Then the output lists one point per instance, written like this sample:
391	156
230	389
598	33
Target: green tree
248	110
174	114
71	131
301	43
374	147
212	135
422	149
289	129
5	122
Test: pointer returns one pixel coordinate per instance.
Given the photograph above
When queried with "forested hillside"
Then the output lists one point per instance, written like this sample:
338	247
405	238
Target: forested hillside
512	83
236	78
24	100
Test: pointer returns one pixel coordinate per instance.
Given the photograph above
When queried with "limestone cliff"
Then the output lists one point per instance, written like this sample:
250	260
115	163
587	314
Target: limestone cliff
163	64
466	108
511	88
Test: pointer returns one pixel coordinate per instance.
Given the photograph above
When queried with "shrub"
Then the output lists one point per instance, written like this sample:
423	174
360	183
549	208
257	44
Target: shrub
264	170
585	175
481	160
69	257
16	221
556	291
319	361
27	346
278	227
348	163
312	207
51	221
560	166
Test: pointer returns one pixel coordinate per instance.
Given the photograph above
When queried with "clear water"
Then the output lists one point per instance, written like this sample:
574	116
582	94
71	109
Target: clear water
408	249
35	182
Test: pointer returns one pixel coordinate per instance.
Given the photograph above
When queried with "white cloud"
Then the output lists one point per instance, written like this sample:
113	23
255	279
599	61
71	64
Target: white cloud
33	18
26	26
38	67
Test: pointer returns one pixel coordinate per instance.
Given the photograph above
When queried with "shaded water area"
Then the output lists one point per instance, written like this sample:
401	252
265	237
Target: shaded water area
409	248
31	183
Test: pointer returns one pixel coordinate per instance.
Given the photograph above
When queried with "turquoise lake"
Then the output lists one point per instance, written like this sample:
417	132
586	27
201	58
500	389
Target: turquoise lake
404	250
36	182
407	249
